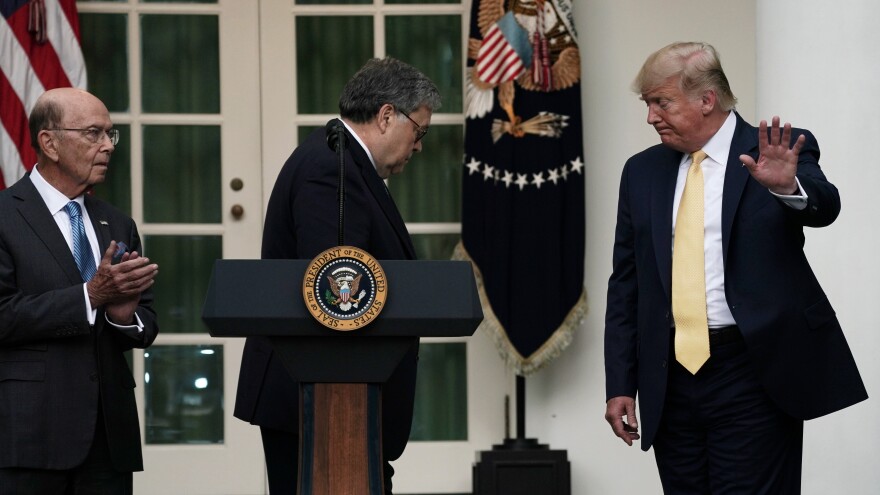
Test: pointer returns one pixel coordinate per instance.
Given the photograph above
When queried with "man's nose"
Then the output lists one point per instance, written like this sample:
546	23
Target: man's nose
652	115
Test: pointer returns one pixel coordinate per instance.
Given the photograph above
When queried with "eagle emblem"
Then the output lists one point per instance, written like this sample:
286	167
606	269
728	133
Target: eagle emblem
530	44
344	283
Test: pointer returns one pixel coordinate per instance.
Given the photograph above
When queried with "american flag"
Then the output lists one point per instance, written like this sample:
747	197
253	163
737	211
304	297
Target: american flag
505	52
39	50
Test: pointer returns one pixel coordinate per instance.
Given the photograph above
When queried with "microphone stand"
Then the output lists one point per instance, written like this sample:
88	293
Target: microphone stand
336	141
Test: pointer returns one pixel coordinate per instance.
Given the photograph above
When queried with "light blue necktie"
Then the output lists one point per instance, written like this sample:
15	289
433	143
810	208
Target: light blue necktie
82	250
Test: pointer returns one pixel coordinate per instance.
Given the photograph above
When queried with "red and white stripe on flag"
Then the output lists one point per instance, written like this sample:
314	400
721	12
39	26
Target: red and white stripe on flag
28	67
497	61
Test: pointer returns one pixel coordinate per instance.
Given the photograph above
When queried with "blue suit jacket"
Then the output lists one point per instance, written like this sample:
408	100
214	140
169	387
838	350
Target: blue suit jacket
53	365
301	222
791	331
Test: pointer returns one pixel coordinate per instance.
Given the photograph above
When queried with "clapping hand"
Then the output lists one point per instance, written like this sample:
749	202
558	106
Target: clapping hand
118	287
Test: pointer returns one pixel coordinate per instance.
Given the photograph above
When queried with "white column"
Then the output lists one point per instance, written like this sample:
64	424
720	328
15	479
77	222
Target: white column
818	66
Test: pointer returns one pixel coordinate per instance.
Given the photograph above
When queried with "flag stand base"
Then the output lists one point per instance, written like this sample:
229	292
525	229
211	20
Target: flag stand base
521	466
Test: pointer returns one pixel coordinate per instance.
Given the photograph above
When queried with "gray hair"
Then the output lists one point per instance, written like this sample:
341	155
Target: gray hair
47	114
697	65
382	81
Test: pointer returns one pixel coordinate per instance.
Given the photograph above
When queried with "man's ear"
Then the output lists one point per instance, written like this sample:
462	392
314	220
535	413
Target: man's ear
48	143
384	116
709	100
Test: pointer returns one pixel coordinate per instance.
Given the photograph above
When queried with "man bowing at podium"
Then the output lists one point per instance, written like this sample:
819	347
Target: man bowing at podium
386	108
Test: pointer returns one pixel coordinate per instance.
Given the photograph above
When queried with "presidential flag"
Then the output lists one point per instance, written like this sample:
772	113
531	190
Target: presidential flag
39	50
523	177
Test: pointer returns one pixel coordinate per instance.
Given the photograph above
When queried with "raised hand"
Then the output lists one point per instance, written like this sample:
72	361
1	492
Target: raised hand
777	163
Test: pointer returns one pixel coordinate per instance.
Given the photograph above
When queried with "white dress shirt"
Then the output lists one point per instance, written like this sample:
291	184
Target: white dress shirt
56	201
714	167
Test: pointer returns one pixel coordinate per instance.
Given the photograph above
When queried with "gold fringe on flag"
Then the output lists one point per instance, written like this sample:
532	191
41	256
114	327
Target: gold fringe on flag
553	347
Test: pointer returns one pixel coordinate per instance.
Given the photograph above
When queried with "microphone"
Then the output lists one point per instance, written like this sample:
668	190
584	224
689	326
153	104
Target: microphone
335	134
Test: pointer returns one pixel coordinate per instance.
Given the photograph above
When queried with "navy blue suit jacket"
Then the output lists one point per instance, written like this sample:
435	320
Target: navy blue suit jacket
301	222
53	365
790	329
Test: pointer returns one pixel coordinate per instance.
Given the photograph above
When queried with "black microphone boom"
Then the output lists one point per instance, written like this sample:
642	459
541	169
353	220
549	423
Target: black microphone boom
336	141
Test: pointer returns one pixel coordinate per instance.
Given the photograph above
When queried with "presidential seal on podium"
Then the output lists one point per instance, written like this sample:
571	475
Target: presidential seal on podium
344	288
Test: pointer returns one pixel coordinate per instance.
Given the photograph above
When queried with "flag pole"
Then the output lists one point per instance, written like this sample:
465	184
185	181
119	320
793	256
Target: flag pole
521	442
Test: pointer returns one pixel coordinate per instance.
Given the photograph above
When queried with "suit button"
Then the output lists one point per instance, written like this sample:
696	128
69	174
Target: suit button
93	377
663	364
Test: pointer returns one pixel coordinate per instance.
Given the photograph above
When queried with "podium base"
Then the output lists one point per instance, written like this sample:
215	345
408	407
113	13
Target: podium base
522	466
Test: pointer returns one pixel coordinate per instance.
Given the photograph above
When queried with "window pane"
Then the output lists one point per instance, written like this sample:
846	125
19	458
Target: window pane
182	174
435	246
179	1
183	392
441	393
429	189
303	131
185	264
420	1
181	64
432	43
332	2
325	62
116	188
105	49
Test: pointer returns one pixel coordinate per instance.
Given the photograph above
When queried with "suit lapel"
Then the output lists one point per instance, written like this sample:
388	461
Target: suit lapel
34	211
736	176
662	196
382	196
98	217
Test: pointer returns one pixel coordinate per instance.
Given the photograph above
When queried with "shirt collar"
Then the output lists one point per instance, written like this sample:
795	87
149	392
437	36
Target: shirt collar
360	142
718	147
54	199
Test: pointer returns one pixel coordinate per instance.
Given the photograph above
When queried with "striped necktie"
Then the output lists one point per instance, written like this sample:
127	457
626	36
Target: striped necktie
689	273
82	250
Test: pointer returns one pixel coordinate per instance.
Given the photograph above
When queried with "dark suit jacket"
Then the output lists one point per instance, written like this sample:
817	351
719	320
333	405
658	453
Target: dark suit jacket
53	365
791	331
301	222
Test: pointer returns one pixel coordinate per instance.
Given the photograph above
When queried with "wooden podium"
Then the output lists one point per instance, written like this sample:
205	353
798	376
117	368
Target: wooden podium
340	372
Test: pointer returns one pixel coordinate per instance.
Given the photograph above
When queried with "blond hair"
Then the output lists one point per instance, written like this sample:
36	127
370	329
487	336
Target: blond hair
697	66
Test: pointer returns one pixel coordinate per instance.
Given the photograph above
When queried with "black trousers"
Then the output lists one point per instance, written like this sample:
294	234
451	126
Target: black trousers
95	476
720	433
282	460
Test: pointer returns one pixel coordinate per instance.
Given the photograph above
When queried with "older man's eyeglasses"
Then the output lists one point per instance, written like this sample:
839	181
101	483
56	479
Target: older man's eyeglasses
93	134
420	131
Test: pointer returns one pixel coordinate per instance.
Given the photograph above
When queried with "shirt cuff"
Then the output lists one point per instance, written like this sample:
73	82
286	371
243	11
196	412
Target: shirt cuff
798	200
91	314
134	331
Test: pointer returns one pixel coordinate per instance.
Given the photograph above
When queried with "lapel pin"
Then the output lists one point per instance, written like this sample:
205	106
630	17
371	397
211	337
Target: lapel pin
103	222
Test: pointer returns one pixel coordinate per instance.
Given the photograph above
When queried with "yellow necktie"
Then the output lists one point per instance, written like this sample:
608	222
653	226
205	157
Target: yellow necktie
689	273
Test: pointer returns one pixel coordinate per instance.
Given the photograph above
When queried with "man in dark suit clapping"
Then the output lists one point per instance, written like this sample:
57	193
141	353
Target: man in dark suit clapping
74	296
